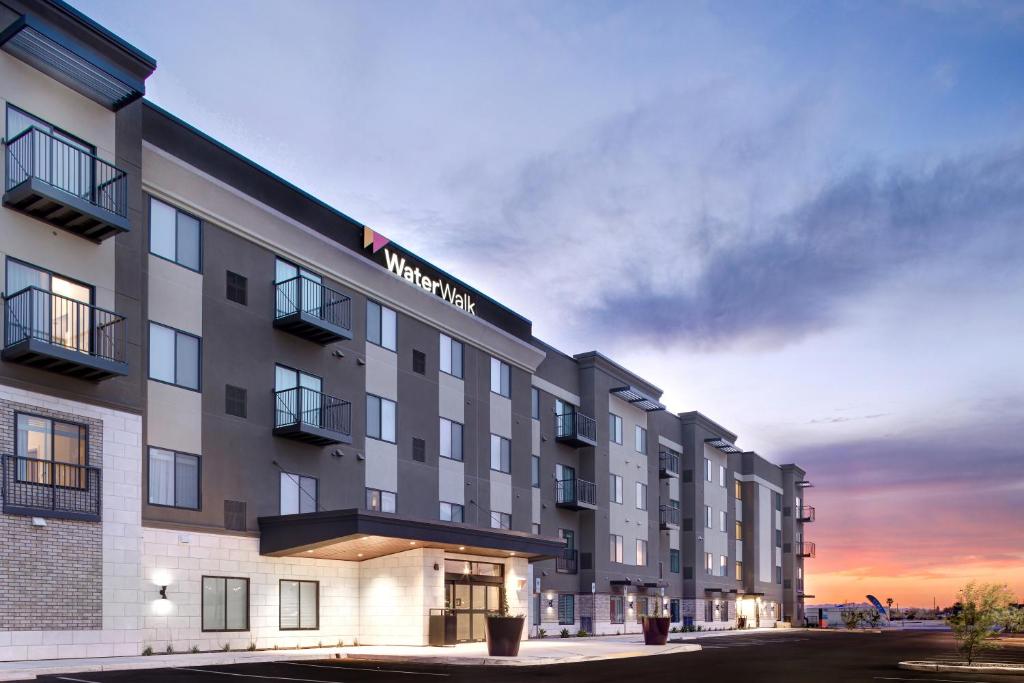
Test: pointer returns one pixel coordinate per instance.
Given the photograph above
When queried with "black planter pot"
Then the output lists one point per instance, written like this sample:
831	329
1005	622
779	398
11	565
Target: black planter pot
503	635
655	630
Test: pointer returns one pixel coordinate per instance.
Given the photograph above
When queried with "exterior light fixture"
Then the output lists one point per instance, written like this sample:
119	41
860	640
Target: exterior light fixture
163	592
551	603
520	583
630	604
462	547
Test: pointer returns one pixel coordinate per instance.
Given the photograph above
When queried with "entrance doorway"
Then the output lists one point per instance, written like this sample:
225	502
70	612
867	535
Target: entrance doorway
472	590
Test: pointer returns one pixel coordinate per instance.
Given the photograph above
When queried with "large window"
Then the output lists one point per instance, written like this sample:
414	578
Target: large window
566	609
500	520
707	469
617	612
452	512
63	319
641	439
723	521
615	486
615	546
380	501
51	451
709	564
173	479
708	517
298	397
721	475
225	603
739	570
738	489
535	471
501	453
500	378
174	235
739	530
641	552
299	494
380	418
673	561
615	428
535	403
174	356
641	496
381	325
723	565
451	356
451	439
300	605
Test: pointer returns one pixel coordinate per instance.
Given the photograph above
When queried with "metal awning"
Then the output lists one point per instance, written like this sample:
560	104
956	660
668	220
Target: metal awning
722	445
637	398
70	62
804	484
357	535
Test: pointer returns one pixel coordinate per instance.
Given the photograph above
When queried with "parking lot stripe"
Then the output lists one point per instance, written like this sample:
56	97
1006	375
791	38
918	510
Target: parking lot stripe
922	678
77	680
269	678
358	668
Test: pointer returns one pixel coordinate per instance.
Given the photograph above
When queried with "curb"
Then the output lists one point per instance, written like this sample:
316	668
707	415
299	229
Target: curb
984	668
516	661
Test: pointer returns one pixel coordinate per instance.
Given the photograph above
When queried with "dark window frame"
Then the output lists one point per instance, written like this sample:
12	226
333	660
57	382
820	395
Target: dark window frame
149	229
149	357
451	509
202	604
380	422
199	480
462	440
674	560
280	601
369	489
451	360
380	327
534	403
504	373
569	600
316	500
490	454
56	129
52	274
82	427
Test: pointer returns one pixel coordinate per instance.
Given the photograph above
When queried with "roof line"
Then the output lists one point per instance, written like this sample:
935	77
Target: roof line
104	32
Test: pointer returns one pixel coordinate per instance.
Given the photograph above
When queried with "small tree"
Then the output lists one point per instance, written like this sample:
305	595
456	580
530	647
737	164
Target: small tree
983	608
873	618
852	618
1013	619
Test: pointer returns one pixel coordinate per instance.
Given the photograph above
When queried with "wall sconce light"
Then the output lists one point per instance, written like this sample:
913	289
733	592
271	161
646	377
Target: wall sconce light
520	583
163	592
551	603
630	604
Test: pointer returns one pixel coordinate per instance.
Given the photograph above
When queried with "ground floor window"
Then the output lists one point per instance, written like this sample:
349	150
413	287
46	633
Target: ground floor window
617	611
674	610
566	608
380	501
225	603
300	605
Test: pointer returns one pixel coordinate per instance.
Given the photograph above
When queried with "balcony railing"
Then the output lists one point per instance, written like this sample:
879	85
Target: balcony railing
310	416
567	561
43	488
668	517
668	464
576	494
576	429
56	333
805	513
310	310
805	549
65	186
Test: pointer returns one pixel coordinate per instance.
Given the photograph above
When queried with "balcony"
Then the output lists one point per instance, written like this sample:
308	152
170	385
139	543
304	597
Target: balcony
309	416
804	549
308	309
805	513
52	332
65	186
668	517
43	488
576	494
668	465
567	561
576	429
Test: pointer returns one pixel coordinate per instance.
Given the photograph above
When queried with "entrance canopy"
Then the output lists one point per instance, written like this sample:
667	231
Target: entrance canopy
358	535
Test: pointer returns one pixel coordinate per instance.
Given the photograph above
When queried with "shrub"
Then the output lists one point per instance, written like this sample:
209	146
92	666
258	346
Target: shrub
170	649
147	651
582	634
541	633
700	628
564	633
252	647
194	649
983	608
226	647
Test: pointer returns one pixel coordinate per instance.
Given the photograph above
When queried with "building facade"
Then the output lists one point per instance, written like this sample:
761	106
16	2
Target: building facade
232	415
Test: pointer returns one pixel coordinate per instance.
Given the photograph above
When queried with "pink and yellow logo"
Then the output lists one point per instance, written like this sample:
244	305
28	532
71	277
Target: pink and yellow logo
373	239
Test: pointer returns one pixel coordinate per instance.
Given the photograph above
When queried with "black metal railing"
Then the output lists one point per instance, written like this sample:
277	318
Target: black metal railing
302	294
567	561
805	549
668	462
575	424
302	406
575	491
805	513
45	487
668	515
34	153
34	313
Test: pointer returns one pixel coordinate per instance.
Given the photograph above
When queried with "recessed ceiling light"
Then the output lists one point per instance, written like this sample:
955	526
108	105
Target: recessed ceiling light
412	542
309	551
359	555
512	554
462	547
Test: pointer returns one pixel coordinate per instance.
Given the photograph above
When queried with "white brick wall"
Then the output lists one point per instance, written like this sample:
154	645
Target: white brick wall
395	594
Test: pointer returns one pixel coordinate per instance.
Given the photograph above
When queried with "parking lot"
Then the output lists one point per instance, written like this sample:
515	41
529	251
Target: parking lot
760	658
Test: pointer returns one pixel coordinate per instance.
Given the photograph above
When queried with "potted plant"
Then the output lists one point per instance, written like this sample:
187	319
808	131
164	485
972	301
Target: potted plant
504	632
655	630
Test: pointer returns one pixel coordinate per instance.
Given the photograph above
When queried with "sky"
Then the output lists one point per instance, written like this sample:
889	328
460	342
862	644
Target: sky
803	219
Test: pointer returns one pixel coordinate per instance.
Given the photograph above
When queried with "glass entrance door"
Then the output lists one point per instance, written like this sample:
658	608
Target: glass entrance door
471	602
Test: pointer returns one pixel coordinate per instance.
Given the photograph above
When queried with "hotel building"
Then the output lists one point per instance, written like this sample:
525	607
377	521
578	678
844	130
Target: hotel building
231	414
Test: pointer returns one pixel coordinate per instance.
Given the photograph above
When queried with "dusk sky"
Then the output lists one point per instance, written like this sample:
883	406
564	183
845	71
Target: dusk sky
805	220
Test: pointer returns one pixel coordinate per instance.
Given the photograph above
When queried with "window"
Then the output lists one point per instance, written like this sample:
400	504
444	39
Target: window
225	604
450	360
380	418
641	553
298	494
173	479
501	453
615	428
738	489
569	537
778	538
300	605
566	609
500	378
381	326
535	471
723	565
641	439
707	469
500	520
173	356
721	475
615	486
616	611
174	235
673	560
237	288
641	496
51	452
778	574
66	321
739	570
380	501
419	450
451	439
419	362
707	517
723	521
535	403
616	548
709	564
778	501
297	397
674	610
234	400
452	512
739	530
